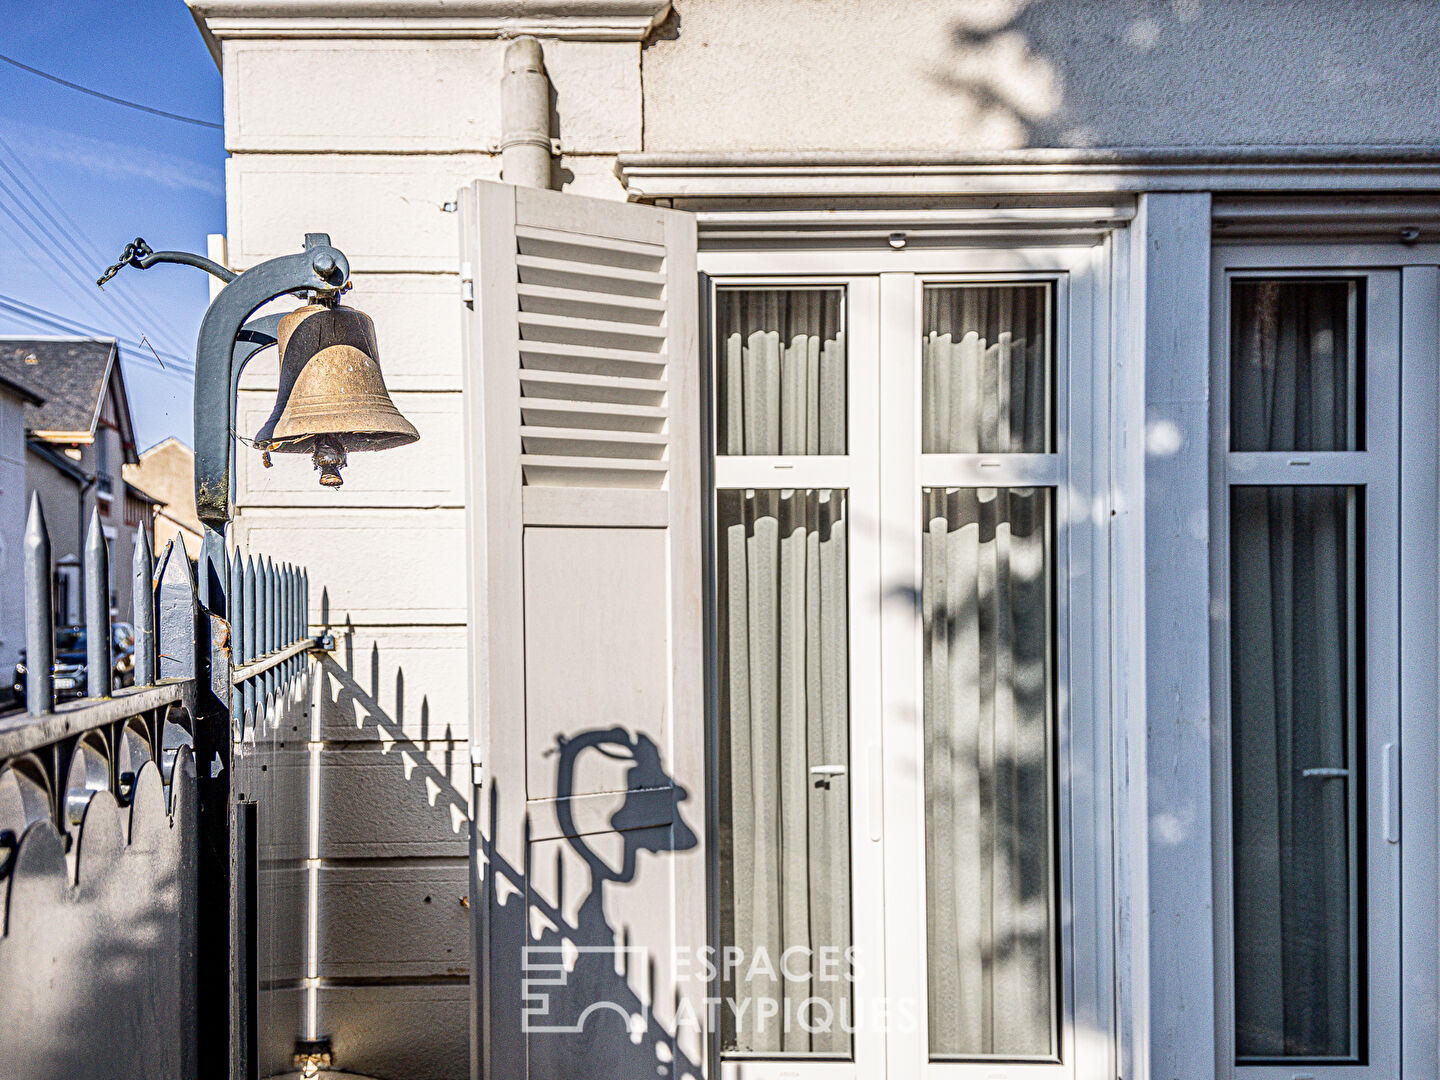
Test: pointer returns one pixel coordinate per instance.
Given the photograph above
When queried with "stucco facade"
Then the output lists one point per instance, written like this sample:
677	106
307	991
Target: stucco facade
1142	133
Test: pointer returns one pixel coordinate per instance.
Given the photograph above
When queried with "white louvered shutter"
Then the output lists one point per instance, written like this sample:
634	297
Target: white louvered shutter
585	453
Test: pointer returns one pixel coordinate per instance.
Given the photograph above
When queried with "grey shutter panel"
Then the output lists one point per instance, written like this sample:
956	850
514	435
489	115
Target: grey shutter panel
584	493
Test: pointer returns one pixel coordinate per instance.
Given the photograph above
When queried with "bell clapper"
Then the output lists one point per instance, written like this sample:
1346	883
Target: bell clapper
329	458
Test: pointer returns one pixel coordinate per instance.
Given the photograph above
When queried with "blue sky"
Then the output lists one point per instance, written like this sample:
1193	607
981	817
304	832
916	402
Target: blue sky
104	174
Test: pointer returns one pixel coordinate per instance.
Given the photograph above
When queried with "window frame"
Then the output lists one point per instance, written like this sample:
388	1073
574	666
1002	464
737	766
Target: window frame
1393	578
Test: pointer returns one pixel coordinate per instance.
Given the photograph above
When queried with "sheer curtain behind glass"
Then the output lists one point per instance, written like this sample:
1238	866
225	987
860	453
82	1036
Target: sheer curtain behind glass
780	371
1294	620
784	831
989	804
985	369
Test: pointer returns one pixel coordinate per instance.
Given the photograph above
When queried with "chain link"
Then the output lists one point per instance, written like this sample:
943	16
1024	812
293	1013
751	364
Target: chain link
131	256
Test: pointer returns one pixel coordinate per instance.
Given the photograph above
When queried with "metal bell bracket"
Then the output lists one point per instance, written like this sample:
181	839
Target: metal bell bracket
226	343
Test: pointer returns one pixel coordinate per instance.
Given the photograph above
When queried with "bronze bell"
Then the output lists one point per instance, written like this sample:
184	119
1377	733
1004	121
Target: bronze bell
332	397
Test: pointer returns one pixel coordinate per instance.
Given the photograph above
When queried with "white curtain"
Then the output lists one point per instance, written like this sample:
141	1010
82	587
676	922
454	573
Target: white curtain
781	377
989	801
784	708
1293	672
985	369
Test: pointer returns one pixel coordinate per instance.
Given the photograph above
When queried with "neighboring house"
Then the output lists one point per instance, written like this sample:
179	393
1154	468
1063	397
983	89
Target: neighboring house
78	441
1012	564
167	472
13	493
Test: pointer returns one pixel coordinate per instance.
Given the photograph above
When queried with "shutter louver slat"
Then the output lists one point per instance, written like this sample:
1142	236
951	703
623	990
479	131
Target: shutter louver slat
561	412
570	330
605	473
589	248
591	442
569	274
588	359
578	387
590	304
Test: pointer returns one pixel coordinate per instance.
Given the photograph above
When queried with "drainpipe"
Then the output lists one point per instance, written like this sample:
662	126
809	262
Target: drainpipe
525	116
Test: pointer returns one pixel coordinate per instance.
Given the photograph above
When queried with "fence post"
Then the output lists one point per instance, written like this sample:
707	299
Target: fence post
39	627
237	638
249	621
142	602
221	1014
267	624
99	664
292	596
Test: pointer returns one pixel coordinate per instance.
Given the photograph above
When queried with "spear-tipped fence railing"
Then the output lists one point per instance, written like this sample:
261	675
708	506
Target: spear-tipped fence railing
75	762
268	633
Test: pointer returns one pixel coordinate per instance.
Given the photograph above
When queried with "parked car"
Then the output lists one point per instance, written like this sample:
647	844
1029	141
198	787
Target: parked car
69	666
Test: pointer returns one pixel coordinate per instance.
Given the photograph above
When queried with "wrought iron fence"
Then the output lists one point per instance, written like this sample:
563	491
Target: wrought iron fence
127	891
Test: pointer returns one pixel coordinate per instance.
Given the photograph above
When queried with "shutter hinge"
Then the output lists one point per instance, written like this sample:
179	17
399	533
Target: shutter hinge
477	768
467	282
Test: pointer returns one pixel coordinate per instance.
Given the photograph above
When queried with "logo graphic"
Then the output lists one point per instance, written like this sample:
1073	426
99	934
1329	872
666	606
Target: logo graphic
559	980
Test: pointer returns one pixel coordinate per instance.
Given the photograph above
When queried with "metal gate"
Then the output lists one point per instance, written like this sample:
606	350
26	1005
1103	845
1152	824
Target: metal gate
138	822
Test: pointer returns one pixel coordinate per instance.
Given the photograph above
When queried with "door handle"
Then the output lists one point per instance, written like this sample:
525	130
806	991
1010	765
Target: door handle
1325	773
1390	791
827	770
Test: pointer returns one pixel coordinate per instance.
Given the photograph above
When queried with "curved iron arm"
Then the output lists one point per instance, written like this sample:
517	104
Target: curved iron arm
185	258
320	268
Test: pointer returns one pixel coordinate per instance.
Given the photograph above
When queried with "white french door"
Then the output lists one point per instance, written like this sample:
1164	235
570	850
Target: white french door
940	822
796	473
1325	569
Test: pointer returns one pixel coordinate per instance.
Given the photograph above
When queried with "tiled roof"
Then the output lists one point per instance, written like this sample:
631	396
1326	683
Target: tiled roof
24	393
68	373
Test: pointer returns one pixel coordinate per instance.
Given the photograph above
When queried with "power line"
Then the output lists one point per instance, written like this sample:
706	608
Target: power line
55	252
40	246
43	266
137	306
110	97
35	313
66	322
67	268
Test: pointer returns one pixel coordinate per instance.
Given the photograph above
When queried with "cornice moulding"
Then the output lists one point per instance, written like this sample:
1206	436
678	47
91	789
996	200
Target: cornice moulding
573	20
686	177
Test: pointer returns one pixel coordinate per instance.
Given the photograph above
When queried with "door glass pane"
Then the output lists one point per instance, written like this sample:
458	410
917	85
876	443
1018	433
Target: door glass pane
780	369
985	368
989	717
1295	621
784	781
1294	365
